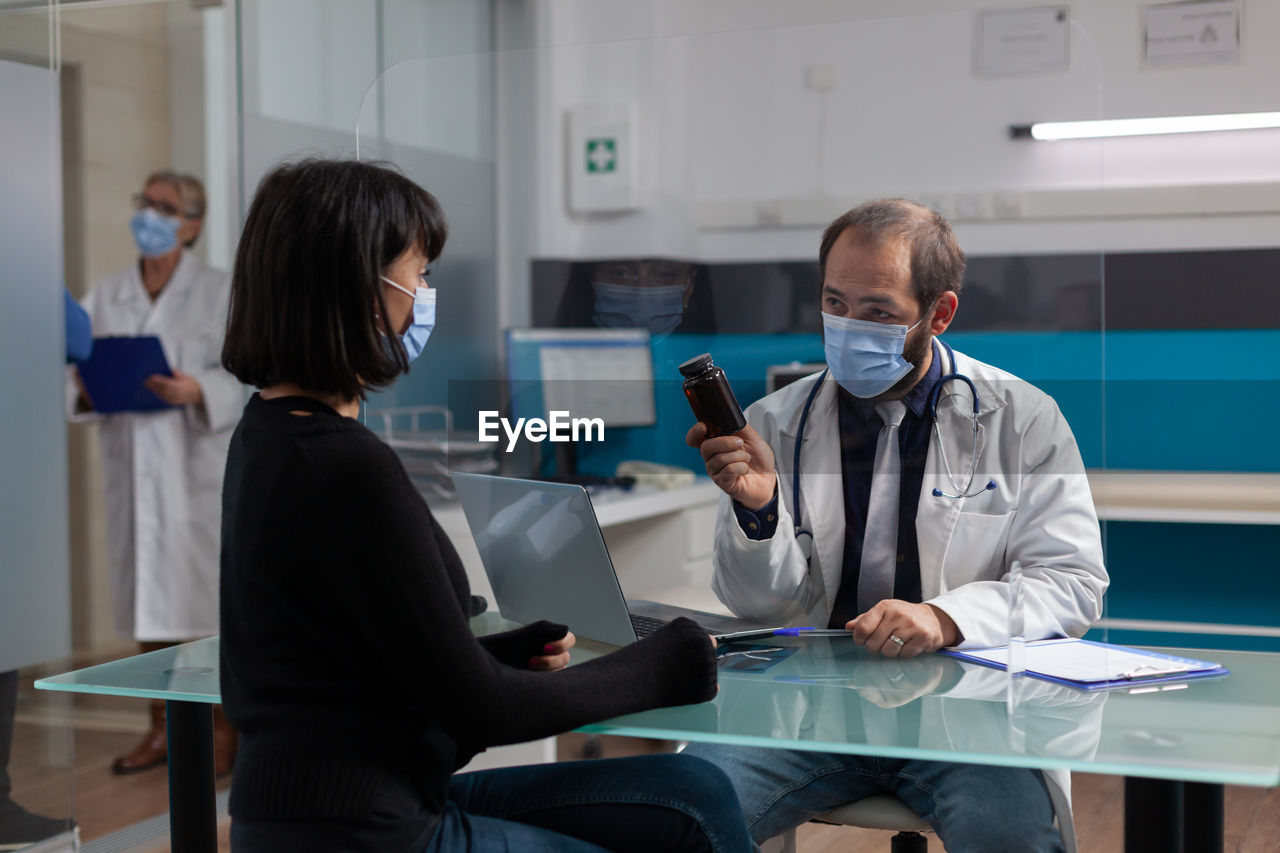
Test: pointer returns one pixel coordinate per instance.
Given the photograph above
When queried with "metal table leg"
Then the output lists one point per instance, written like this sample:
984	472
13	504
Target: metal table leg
1152	816
1202	817
193	822
1162	816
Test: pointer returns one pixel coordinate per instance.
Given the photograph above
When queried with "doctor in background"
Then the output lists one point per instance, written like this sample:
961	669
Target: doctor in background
901	532
163	469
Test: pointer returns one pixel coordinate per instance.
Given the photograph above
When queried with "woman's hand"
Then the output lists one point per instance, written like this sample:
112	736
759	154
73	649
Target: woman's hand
555	655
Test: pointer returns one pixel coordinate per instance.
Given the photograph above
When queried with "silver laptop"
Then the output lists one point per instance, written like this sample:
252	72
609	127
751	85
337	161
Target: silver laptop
546	559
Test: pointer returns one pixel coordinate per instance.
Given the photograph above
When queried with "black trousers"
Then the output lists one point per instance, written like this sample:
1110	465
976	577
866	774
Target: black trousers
8	707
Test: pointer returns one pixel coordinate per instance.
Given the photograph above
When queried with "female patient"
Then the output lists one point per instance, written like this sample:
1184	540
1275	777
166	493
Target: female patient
347	661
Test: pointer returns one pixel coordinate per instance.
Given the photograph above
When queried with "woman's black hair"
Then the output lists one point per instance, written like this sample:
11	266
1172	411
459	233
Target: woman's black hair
306	298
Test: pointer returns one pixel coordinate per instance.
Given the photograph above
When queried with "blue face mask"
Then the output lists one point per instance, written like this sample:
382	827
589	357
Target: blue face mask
155	235
424	318
865	357
626	306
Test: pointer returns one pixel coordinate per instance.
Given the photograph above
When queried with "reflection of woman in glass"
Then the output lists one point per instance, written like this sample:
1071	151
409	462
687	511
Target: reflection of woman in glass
663	296
348	663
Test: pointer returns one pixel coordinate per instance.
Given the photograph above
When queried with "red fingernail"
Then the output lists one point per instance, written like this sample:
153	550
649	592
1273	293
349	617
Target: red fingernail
533	663
549	648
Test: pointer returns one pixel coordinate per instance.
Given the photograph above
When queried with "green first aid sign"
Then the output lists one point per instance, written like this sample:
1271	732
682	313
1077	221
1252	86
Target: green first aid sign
602	155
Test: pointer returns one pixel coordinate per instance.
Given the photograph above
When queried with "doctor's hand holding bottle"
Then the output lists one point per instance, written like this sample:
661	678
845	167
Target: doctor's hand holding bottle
741	464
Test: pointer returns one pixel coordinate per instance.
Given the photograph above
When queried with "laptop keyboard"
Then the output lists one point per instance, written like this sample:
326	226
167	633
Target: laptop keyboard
645	625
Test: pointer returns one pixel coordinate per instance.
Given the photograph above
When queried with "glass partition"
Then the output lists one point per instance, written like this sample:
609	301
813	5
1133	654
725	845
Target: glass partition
97	96
1191	492
411	85
35	740
608	165
748	142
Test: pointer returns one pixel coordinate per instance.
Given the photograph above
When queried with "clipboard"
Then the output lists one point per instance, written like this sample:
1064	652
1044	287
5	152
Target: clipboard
1088	665
115	370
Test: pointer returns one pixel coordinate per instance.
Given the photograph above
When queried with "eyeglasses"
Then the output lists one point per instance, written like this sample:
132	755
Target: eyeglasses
141	201
642	273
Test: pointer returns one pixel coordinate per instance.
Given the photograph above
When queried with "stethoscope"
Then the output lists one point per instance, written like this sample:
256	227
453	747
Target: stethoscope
934	395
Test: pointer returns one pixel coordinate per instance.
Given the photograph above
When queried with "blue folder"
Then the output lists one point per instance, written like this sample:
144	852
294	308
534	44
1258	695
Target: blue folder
1155	667
115	370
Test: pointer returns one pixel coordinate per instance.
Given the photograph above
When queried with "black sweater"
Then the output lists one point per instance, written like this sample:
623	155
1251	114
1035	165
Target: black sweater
347	662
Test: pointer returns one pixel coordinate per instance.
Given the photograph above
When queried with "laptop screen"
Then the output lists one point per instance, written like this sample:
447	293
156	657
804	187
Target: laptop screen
544	555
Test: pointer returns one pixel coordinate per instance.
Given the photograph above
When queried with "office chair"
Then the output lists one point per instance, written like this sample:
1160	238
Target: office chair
885	811
881	811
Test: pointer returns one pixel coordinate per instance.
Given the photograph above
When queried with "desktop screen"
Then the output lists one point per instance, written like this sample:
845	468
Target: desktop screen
591	373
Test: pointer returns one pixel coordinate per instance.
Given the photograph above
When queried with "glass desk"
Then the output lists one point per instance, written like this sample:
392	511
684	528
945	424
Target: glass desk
1176	744
186	677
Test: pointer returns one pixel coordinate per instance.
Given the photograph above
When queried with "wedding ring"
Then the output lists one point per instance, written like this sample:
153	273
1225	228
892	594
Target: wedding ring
897	640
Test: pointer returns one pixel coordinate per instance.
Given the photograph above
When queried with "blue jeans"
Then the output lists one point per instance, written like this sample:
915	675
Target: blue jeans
652	802
971	807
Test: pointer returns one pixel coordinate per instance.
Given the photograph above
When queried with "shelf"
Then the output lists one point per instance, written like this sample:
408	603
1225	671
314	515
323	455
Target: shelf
1189	497
620	507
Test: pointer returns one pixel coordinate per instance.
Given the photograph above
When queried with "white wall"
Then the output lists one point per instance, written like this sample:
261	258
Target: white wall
725	116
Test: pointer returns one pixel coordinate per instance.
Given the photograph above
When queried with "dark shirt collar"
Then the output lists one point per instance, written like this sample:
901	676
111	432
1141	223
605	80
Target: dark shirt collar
290	403
917	398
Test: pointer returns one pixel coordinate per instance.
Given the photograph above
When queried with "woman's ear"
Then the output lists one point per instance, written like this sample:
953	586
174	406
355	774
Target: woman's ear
189	230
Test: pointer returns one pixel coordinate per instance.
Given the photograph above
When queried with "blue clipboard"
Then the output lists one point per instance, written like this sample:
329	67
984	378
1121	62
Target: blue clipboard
1162	668
115	370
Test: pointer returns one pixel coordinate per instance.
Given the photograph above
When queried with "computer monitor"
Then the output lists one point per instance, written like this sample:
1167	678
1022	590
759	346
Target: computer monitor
588	373
594	373
781	375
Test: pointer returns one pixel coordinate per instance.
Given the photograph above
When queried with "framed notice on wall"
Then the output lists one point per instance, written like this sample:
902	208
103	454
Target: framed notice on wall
1023	41
1195	32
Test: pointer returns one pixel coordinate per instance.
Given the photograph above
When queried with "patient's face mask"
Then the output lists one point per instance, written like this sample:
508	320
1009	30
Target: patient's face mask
865	357
628	306
424	318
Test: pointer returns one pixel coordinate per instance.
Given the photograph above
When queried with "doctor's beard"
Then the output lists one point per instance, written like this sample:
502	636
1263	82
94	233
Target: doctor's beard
913	351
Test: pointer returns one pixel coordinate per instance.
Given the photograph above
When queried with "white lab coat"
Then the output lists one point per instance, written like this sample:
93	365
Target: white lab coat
163	470
1041	514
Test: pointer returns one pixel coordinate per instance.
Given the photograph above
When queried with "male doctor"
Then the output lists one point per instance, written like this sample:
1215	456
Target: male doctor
901	533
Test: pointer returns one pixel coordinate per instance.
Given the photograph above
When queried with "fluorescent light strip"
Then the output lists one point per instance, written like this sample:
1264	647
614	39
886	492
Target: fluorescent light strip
1055	130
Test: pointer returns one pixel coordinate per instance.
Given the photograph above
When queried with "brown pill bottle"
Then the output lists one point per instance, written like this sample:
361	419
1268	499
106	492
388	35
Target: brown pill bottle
710	396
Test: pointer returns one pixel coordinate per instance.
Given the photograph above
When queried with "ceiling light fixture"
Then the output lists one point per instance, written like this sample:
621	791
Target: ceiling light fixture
1051	131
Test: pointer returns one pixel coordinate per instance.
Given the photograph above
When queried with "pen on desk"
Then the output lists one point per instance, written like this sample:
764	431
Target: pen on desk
783	632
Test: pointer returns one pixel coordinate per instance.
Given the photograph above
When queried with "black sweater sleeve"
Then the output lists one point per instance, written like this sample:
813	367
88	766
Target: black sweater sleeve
409	607
515	648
